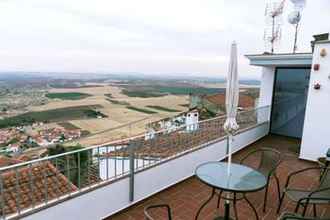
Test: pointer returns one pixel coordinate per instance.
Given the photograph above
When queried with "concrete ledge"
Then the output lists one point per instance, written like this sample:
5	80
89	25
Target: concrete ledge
287	60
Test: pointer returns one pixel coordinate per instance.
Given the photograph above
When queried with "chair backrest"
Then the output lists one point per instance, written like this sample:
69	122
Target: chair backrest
268	161
325	179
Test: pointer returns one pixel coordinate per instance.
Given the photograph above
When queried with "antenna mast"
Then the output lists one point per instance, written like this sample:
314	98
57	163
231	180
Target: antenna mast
273	29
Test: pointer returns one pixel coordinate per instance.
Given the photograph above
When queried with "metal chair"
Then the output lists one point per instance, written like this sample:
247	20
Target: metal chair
269	161
321	195
147	215
292	216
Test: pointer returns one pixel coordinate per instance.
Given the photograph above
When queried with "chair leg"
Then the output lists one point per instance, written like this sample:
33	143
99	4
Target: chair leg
314	210
204	204
280	202
265	196
305	209
219	198
278	187
297	208
252	207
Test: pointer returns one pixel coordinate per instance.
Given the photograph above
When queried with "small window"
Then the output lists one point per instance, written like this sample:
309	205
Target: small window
195	114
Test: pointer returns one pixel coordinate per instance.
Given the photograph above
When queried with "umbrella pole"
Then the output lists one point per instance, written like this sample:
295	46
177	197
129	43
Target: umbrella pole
227	208
229	143
227	203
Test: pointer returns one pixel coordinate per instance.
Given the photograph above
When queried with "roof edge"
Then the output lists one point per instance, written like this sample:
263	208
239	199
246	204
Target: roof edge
323	42
285	59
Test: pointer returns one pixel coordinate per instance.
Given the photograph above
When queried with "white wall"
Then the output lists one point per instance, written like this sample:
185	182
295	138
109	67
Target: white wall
316	133
112	198
267	84
266	89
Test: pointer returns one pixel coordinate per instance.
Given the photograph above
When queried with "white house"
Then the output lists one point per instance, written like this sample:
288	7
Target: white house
150	134
192	120
13	148
297	87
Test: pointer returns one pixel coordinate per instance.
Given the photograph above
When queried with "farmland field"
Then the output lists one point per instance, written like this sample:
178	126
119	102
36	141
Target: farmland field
54	115
142	93
189	90
141	110
116	125
161	108
109	95
67	125
70	126
149	91
113	101
67	95
106	109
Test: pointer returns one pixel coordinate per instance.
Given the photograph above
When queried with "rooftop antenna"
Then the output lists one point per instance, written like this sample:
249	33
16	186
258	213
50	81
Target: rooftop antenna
294	19
273	29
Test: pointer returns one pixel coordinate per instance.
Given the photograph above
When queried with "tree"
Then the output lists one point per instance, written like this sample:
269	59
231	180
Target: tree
68	164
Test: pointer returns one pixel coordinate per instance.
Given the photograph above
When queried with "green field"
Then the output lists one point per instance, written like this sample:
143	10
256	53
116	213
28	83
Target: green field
188	90
142	93
71	85
54	115
146	111
68	125
161	108
67	95
158	91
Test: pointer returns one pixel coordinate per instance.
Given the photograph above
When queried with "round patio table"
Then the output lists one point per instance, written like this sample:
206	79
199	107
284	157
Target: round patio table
242	180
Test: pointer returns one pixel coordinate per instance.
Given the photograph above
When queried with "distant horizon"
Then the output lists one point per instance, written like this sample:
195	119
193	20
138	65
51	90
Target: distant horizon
128	74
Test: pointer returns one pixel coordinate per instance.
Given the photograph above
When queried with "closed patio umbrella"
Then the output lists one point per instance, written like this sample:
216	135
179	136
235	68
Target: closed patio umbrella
232	94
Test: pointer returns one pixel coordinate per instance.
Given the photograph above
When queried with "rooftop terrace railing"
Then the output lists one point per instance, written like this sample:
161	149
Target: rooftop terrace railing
30	186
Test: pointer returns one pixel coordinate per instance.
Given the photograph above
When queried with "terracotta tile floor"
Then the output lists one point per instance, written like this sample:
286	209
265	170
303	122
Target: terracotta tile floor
186	197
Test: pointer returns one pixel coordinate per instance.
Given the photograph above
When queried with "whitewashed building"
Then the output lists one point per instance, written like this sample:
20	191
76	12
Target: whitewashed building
297	87
192	118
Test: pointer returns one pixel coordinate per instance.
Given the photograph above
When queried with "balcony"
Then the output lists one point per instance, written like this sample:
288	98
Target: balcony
187	196
123	176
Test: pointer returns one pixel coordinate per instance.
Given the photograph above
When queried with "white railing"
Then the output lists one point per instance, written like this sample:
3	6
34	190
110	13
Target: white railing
33	185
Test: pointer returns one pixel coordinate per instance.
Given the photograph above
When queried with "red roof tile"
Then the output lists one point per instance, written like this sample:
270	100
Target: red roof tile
28	187
7	161
220	99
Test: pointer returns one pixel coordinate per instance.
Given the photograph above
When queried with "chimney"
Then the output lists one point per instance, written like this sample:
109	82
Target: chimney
319	37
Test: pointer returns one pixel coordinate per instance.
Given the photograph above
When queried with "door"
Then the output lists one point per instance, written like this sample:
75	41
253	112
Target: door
289	101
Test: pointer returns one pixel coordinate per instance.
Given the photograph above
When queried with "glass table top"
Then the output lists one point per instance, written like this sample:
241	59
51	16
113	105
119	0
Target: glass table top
242	178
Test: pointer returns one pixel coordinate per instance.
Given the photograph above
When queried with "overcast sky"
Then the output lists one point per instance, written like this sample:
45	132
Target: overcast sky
149	36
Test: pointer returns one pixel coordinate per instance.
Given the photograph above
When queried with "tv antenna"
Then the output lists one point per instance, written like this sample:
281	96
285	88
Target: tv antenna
273	29
294	18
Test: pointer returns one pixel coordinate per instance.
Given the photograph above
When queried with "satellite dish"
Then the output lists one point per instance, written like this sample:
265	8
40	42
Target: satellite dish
294	17
299	4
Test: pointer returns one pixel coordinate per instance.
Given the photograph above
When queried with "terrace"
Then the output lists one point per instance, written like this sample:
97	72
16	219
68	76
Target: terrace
187	196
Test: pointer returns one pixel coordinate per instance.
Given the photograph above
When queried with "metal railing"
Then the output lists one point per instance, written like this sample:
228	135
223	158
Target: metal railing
32	185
